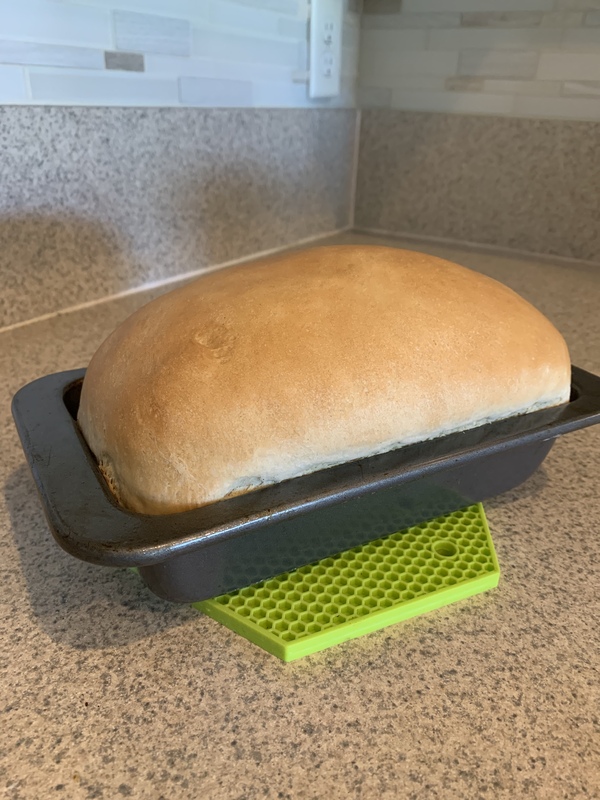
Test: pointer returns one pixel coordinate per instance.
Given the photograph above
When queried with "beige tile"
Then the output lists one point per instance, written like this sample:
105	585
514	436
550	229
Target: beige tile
577	5
464	84
569	66
419	21
455	102
562	19
582	39
417	82
373	97
540	88
392	41
381	6
498	63
581	88
501	19
383	66
558	107
495	38
475	5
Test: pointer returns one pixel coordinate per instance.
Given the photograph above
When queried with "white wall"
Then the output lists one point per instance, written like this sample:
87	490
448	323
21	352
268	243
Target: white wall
164	53
530	58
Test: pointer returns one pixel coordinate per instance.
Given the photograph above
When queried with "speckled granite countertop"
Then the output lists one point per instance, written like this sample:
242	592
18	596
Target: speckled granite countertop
107	691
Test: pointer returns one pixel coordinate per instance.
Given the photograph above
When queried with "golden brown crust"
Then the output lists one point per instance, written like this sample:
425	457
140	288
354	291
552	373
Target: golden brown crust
262	372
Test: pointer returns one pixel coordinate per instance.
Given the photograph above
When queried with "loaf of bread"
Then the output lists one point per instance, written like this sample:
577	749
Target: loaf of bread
262	372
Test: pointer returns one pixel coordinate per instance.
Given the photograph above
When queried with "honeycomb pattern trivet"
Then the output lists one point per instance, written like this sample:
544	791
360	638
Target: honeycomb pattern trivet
364	589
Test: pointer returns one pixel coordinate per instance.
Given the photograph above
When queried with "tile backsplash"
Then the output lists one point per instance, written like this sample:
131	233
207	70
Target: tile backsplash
165	53
522	58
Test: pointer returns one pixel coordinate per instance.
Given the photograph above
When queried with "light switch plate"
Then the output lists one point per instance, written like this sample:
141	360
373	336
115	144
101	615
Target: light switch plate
326	19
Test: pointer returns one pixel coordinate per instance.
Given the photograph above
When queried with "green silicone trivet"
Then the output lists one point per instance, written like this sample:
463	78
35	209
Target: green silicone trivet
364	589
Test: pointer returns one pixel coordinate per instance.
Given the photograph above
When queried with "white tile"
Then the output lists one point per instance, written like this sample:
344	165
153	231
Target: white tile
215	92
582	39
196	10
106	89
384	68
12	85
234	47
174	67
498	63
557	107
453	102
569	66
50	55
535	88
280	95
291	7
495	38
149	33
245	18
41	21
295	28
462	83
476	5
401	20
582	88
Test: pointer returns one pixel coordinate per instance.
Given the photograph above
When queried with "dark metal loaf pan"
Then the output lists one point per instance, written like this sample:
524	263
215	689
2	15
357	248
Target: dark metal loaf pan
198	554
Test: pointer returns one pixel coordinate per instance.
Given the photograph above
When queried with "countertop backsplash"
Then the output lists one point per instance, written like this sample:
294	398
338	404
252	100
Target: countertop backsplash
99	201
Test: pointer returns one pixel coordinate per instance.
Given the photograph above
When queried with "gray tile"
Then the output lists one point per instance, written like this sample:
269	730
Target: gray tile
592	19
521	183
501	19
128	62
147	33
498	63
99	200
49	55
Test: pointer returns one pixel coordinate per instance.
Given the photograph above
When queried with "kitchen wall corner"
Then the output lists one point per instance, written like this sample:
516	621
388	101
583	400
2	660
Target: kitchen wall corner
525	184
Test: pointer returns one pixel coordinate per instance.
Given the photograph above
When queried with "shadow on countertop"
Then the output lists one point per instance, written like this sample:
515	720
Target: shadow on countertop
90	607
81	605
